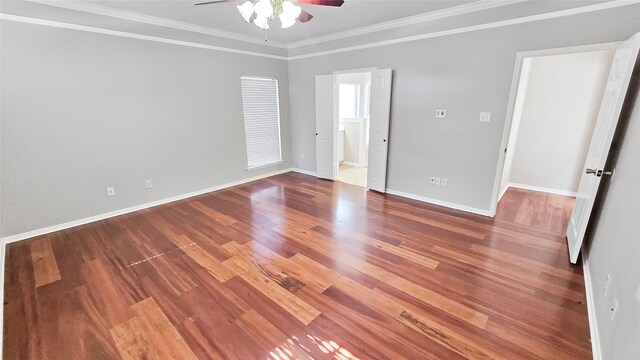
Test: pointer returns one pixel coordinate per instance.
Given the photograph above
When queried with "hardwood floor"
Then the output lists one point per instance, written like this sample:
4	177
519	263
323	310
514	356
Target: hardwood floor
292	267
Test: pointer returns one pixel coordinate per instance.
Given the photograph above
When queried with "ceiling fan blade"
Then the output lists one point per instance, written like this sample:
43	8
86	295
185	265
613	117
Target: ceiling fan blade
212	2
304	16
337	3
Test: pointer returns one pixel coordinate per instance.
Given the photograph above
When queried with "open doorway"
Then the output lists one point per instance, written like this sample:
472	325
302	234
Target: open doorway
555	114
370	111
354	94
578	128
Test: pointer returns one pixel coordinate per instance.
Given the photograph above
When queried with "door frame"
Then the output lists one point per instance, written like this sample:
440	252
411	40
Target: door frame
515	82
336	111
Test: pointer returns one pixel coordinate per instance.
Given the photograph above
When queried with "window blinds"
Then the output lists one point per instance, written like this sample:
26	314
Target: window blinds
261	121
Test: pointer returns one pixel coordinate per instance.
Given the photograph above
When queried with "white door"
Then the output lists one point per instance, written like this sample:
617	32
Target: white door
379	110
610	108
325	162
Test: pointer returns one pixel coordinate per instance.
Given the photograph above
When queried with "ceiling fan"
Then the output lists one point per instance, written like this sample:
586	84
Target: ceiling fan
263	12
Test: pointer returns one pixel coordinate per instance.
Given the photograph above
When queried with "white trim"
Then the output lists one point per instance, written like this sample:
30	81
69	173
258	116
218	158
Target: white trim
572	49
521	20
153	20
350	163
591	310
469	209
36	21
90	219
541	189
504	191
158	21
411	20
305	172
486	26
355	71
515	82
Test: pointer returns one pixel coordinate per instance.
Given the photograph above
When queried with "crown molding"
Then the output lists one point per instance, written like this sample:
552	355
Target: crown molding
158	21
153	20
485	26
411	20
62	25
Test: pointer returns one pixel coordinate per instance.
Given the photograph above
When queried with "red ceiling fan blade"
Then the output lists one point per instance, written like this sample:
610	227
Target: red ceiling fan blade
212	2
322	2
304	16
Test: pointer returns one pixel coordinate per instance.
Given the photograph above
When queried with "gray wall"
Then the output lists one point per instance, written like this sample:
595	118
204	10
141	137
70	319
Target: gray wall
466	74
614	247
83	111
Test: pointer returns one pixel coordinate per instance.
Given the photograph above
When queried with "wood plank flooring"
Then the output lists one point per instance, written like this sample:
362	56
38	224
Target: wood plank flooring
292	267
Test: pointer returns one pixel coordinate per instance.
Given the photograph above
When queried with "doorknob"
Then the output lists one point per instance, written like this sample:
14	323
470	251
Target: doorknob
384	140
602	172
598	173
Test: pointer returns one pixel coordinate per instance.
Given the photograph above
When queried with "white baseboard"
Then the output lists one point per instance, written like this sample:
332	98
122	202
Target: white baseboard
504	191
483	212
591	311
90	219
541	189
302	171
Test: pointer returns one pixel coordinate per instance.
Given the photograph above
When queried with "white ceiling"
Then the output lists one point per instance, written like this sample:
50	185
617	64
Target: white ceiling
327	20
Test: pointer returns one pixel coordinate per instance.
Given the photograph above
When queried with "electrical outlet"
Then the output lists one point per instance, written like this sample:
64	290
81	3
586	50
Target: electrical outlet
301	156
444	182
607	281
432	180
485	117
438	181
441	113
614	309
148	184
111	191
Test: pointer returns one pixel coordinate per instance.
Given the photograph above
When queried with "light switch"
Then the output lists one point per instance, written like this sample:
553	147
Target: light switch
441	113
485	116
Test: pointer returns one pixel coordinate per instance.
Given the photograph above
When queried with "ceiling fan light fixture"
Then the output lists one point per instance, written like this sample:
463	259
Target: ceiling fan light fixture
261	22
263	12
287	22
290	13
290	10
263	9
246	10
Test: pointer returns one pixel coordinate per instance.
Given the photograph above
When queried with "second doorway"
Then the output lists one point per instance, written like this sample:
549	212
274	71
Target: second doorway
354	94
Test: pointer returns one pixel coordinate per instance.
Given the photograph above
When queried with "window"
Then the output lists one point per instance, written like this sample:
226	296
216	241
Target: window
261	108
349	101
